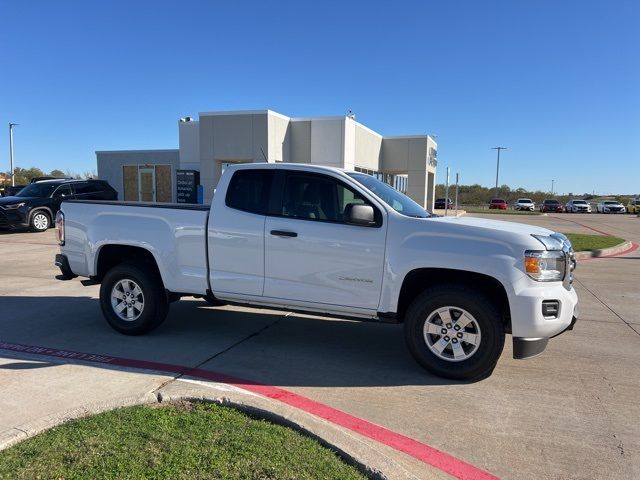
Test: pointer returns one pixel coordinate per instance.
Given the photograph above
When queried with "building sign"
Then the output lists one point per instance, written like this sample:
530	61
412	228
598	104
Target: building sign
433	157
187	182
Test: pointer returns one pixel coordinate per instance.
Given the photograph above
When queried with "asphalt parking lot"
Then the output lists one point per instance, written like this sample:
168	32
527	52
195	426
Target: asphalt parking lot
571	413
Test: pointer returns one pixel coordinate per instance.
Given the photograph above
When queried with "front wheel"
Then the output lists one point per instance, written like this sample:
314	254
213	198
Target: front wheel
454	332
39	221
132	299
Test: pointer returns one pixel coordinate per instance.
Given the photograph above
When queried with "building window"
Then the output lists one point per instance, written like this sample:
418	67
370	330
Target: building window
147	183
399	182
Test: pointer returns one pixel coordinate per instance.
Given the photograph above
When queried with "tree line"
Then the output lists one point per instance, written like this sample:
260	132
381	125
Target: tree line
23	176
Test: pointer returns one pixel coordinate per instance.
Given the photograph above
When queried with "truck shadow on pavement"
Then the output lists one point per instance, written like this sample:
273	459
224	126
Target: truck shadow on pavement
274	348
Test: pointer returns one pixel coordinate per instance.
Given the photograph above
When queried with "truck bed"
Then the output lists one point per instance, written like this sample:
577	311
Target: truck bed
174	233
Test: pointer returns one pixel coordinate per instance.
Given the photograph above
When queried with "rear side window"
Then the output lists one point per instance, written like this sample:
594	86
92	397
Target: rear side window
81	188
249	190
62	191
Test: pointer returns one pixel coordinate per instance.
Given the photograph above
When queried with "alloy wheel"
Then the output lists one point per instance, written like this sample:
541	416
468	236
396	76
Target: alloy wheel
452	334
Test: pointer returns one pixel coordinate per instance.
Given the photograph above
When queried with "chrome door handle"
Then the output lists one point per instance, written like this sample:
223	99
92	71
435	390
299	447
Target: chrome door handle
283	233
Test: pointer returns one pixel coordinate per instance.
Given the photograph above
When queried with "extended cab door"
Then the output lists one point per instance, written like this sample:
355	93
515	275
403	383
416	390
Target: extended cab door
236	233
311	254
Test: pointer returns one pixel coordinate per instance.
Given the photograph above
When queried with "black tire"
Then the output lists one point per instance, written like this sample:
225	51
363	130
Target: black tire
213	301
488	319
154	298
39	221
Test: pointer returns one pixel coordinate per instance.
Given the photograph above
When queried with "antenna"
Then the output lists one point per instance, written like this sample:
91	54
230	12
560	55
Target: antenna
265	157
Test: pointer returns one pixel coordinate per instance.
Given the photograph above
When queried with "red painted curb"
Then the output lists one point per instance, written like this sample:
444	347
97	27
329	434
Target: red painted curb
420	451
634	246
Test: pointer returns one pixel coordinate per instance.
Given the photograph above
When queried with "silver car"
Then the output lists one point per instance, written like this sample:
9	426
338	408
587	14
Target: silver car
524	204
610	206
577	206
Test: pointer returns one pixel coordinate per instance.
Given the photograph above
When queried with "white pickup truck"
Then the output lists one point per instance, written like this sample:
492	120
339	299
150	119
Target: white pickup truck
323	240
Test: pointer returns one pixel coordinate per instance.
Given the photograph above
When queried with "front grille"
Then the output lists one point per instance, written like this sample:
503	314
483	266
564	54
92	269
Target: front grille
571	265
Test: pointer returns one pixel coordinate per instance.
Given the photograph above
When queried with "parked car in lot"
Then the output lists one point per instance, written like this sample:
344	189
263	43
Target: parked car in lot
610	206
497	203
441	203
551	205
577	206
35	205
343	244
633	206
524	204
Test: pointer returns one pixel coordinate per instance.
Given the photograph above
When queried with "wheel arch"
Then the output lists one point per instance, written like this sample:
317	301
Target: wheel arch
417	280
44	208
110	255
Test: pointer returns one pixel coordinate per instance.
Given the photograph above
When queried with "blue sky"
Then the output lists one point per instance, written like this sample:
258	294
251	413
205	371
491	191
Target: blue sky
557	82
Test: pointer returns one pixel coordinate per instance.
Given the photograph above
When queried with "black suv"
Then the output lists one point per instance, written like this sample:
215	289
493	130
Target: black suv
36	205
442	203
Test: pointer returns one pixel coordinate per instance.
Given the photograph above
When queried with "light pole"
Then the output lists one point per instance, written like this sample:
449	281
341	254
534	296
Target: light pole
498	165
457	180
446	195
552	182
13	177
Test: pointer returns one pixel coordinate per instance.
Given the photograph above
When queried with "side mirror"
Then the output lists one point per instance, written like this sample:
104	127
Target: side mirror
358	214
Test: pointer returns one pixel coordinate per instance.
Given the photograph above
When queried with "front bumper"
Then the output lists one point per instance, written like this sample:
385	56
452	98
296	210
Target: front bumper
13	218
532	323
532	347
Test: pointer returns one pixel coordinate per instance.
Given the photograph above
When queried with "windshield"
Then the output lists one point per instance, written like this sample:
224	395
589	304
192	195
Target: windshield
611	203
551	201
579	202
389	195
525	200
37	190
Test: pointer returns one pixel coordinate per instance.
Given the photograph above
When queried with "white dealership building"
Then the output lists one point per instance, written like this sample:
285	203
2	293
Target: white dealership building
217	139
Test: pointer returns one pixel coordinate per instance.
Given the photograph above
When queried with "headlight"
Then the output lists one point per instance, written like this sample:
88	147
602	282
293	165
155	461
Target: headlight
14	206
555	241
545	266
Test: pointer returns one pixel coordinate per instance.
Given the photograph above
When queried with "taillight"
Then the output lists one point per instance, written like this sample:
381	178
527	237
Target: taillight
60	227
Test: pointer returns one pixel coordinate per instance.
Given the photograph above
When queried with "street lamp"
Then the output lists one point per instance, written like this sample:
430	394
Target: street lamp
13	177
498	165
552	182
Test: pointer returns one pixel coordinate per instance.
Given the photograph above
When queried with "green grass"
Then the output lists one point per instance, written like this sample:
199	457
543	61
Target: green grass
583	242
176	441
500	212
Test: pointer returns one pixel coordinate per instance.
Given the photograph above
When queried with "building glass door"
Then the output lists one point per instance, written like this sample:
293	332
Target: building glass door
147	184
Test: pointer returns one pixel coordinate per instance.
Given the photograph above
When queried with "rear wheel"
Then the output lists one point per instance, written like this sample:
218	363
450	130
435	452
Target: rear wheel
454	332
133	299
40	221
